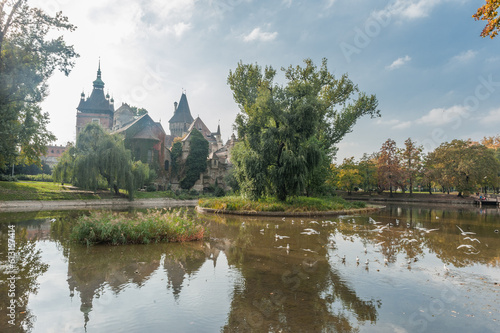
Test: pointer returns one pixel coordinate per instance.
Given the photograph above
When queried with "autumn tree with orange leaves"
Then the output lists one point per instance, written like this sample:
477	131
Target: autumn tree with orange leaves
489	13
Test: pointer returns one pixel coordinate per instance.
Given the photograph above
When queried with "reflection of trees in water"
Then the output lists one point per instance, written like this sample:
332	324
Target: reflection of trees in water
443	242
92	269
183	260
29	267
286	292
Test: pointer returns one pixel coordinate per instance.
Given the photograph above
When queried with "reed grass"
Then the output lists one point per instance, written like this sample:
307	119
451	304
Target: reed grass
153	226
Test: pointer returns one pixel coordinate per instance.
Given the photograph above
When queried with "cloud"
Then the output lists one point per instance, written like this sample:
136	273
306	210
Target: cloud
402	125
394	123
409	9
177	29
464	56
440	116
399	62
257	34
493	117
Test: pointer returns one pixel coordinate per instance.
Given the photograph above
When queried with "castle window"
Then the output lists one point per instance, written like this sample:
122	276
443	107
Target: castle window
150	156
58	151
52	151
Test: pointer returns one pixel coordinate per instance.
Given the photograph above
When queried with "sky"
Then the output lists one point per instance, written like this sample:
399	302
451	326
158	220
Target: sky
435	78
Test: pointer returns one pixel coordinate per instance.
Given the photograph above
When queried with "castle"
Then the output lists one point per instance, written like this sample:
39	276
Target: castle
148	141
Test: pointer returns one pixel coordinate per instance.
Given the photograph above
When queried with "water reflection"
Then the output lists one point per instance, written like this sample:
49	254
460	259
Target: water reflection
274	274
21	265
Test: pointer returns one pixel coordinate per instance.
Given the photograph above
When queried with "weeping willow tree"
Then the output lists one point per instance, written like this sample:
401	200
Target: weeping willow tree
288	133
100	158
63	171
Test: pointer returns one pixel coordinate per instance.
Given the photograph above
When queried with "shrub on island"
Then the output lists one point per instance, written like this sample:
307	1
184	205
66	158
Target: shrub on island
106	227
293	204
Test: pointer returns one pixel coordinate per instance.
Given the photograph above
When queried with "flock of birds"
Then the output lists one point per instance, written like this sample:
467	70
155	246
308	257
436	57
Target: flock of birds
380	228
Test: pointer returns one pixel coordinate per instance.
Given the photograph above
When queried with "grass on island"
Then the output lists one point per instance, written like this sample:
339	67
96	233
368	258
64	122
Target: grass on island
106	227
31	190
295	204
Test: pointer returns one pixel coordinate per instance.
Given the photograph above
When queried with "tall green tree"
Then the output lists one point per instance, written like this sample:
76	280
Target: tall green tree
368	171
196	161
287	131
28	57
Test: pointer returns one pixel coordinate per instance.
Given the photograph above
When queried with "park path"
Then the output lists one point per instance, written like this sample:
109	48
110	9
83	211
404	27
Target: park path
38	205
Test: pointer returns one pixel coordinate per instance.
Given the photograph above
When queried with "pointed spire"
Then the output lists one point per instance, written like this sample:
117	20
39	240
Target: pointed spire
98	83
218	128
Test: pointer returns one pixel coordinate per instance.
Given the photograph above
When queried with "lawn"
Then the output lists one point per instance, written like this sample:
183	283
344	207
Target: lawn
31	190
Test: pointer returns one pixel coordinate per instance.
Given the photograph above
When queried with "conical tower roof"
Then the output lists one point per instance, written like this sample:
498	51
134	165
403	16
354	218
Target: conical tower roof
182	114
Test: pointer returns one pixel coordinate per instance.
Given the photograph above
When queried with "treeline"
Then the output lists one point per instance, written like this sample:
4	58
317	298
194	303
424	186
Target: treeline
464	166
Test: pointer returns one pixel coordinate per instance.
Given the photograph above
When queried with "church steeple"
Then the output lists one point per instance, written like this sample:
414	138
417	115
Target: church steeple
98	83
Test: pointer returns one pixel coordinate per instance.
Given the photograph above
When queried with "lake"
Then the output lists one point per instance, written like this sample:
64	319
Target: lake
401	269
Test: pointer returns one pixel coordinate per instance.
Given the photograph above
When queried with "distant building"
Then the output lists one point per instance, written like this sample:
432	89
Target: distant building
146	139
98	108
218	161
123	116
53	155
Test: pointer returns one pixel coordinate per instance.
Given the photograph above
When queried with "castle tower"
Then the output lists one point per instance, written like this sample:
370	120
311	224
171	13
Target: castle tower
182	119
98	108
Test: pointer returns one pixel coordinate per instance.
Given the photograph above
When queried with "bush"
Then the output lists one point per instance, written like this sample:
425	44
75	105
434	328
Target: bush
38	178
8	178
219	192
151	188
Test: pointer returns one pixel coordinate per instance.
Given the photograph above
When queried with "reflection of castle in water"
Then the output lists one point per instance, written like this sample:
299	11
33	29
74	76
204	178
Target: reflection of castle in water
92	270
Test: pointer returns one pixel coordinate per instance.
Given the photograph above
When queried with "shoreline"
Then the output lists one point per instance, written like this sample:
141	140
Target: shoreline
289	214
40	205
437	199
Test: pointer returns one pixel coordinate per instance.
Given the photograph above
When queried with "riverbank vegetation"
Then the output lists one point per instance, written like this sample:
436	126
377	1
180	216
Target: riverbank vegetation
153	226
271	204
461	166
